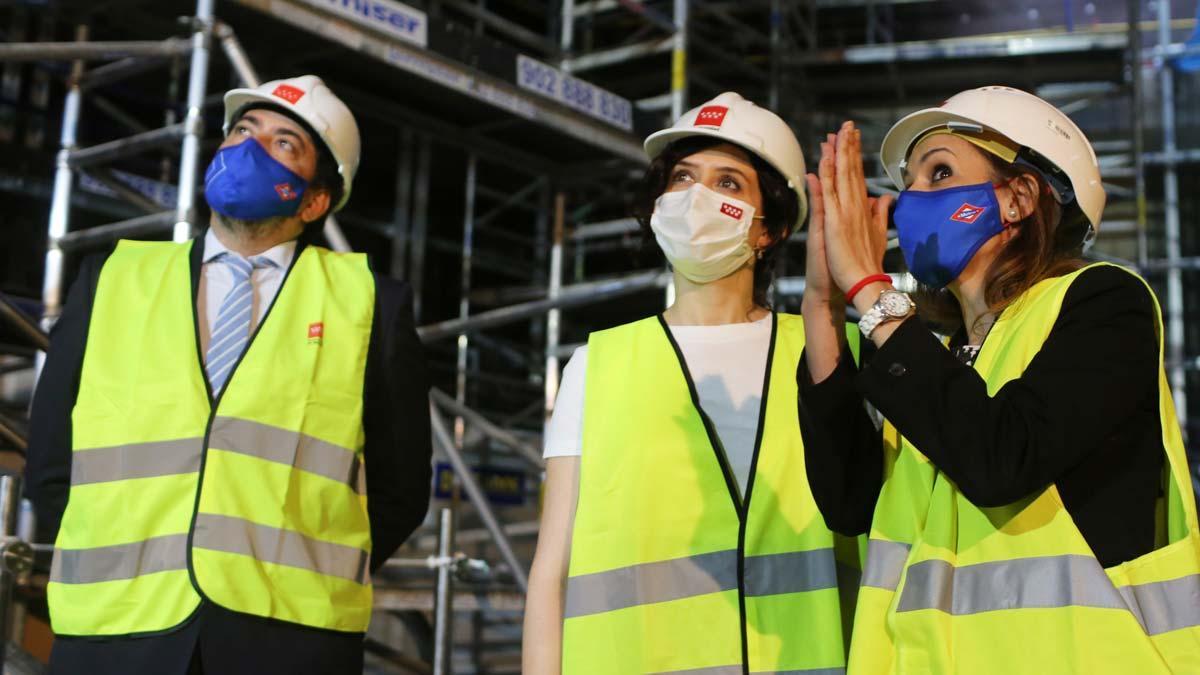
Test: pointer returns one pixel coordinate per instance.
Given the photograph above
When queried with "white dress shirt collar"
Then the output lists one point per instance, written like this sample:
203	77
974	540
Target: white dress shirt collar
280	254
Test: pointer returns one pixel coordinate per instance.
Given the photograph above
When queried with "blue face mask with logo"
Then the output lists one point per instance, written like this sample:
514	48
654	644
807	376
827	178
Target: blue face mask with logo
941	230
245	182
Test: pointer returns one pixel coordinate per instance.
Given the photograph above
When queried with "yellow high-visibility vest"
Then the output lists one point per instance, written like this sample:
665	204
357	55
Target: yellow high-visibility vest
257	501
950	587
671	568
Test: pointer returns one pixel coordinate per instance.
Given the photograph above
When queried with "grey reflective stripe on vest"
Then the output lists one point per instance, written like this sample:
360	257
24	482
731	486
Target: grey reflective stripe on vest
1164	606
122	561
651	582
885	564
737	670
811	671
282	547
1048	582
711	670
292	448
790	572
135	460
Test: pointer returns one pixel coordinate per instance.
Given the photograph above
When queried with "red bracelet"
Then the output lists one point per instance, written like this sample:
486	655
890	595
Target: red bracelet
864	283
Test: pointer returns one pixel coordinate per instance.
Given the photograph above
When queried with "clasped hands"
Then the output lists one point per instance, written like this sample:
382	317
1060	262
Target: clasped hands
847	231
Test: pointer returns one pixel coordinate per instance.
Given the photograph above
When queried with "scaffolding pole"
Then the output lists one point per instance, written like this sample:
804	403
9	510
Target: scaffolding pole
420	223
526	450
402	211
236	55
554	315
679	61
464	301
1139	136
1175	325
574	295
91	51
193	121
102	234
679	79
10	506
60	201
25	325
443	604
477	497
567	38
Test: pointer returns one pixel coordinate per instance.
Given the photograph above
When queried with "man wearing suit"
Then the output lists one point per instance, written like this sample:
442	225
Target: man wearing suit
231	433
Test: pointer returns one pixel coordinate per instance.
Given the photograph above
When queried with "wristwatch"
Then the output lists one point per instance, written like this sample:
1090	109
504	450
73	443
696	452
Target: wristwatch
892	305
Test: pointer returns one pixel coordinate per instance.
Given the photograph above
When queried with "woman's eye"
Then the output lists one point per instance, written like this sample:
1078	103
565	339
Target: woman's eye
941	171
239	129
681	177
728	183
285	144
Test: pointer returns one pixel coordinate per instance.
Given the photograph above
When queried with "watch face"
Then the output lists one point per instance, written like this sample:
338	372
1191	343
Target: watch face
895	304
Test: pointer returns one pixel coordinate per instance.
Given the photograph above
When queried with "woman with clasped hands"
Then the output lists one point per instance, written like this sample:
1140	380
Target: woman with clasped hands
1027	503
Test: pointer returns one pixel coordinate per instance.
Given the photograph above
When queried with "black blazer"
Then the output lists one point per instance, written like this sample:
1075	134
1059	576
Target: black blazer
395	416
1083	416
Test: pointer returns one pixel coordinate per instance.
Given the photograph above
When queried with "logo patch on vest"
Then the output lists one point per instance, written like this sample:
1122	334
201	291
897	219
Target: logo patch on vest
968	213
288	93
316	331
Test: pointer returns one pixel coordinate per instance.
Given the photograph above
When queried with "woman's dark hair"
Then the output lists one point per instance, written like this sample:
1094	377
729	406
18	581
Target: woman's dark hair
780	204
326	176
1047	243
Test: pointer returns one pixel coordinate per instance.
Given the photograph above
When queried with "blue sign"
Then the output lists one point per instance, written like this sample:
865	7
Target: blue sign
574	92
397	19
502	486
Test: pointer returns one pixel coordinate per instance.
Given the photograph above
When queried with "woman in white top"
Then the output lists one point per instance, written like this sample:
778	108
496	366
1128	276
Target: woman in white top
652	556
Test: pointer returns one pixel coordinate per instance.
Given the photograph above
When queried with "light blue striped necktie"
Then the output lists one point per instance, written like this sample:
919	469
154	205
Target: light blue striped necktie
231	331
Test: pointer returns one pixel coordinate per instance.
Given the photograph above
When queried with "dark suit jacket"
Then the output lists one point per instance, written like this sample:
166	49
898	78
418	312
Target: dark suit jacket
396	454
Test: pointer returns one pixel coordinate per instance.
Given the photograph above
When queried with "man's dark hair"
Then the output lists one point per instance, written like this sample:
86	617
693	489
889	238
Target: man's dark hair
326	176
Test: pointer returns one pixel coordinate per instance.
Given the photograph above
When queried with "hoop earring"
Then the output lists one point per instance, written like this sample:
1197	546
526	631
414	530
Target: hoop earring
758	253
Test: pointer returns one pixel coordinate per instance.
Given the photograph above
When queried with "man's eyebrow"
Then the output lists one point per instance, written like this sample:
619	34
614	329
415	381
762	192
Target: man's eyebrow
284	131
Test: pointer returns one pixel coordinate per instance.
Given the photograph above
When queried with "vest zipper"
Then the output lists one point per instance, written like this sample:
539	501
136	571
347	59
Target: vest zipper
215	403
741	505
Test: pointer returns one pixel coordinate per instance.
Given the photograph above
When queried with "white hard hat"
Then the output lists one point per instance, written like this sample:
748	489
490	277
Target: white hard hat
312	101
1048	139
733	119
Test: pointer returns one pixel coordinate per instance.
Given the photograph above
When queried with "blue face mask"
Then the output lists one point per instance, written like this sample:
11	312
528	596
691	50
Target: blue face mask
941	230
245	182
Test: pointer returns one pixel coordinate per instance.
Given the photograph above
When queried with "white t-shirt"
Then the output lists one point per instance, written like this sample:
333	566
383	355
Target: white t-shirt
727	364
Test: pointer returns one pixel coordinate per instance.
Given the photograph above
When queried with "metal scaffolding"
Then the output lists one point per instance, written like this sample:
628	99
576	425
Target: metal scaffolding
570	211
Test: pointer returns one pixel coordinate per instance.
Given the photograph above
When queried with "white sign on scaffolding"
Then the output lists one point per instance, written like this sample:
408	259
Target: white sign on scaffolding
394	18
574	93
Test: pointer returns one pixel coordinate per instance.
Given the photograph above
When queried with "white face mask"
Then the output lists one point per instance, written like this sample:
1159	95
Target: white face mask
704	234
